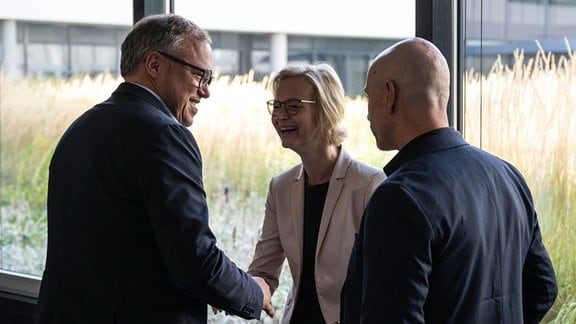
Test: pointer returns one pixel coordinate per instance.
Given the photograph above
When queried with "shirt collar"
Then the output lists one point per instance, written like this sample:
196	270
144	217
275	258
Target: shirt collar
432	141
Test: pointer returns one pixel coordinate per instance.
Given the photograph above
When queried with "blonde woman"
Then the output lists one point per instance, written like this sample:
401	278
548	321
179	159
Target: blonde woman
313	209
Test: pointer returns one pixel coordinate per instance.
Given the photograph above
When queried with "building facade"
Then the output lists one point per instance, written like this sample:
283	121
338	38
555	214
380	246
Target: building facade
49	44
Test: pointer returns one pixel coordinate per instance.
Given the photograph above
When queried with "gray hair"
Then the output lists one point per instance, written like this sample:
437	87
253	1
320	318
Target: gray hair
162	32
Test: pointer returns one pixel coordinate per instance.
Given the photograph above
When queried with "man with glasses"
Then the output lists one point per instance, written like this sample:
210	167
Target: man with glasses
128	233
205	76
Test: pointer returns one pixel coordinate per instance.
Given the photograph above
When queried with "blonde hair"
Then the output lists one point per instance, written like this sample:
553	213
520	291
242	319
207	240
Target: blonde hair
329	96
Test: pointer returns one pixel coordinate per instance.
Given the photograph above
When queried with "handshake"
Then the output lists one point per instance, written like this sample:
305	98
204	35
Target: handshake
266	302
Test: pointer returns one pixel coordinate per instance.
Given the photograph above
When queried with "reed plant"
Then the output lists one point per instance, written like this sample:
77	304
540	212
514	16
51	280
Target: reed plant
526	114
522	113
33	115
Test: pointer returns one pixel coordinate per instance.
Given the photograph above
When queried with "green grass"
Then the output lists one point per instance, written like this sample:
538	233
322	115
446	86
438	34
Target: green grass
524	113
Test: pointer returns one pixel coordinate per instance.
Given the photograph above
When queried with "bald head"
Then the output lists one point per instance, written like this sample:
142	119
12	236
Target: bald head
409	84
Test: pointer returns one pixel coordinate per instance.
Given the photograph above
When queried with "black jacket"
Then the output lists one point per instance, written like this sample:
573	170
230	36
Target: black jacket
450	237
128	233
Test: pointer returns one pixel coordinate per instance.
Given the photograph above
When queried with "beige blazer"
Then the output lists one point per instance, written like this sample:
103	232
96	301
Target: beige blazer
350	188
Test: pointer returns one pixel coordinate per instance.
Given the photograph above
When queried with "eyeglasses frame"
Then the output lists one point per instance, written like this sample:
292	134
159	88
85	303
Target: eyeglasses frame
270	105
204	72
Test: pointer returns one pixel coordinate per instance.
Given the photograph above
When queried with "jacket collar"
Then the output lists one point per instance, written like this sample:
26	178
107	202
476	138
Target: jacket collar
436	140
142	92
340	168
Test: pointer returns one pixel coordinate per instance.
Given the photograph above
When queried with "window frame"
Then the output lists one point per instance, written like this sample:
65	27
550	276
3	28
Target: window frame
438	28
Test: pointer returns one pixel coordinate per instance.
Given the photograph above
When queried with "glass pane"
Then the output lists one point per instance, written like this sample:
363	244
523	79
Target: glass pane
47	59
227	61
93	59
520	89
63	68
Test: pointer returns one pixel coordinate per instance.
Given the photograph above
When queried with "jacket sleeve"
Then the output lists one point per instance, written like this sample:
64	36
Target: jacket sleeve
269	255
539	287
375	181
171	186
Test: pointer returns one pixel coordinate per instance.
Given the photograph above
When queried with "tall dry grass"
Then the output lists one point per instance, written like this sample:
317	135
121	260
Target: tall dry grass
240	150
526	114
522	113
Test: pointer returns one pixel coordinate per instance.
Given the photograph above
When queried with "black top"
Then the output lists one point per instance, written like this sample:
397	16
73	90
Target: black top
307	308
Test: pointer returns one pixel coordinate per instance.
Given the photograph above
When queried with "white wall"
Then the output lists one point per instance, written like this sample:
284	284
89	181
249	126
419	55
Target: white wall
108	12
358	18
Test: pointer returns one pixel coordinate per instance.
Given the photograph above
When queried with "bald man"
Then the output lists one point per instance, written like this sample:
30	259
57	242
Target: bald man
452	235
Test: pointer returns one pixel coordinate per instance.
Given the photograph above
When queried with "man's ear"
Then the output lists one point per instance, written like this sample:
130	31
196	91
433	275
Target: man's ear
390	97
152	63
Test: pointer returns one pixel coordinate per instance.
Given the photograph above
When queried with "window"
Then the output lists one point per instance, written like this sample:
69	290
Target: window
554	2
50	55
519	94
527	118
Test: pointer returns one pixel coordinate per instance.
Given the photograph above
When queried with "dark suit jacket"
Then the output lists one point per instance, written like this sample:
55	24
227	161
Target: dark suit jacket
128	234
450	237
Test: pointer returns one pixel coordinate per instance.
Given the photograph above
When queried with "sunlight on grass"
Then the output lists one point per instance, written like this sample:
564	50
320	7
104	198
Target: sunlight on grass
524	114
527	116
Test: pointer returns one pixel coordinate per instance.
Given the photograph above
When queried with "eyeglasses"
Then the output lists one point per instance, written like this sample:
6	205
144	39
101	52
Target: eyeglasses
291	106
205	76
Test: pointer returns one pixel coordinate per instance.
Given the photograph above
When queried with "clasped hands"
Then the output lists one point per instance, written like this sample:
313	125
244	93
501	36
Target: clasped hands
267	301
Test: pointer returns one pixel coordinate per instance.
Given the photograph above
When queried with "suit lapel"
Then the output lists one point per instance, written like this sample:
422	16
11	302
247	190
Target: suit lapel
335	187
297	214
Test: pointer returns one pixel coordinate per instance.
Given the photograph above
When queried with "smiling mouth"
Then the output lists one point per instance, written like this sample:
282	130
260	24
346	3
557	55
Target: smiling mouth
287	129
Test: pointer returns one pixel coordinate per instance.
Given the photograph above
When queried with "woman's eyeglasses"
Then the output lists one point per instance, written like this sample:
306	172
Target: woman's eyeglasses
291	106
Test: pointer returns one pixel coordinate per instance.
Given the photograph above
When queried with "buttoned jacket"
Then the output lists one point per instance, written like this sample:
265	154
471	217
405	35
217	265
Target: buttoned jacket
128	233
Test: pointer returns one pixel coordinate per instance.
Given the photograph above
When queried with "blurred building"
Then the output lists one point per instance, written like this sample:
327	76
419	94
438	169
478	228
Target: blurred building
61	38
500	27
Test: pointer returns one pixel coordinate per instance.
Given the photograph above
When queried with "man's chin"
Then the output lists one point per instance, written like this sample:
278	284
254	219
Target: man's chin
188	121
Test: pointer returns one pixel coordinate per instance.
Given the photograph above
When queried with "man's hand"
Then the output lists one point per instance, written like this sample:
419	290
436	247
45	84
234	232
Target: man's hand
216	310
267	303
